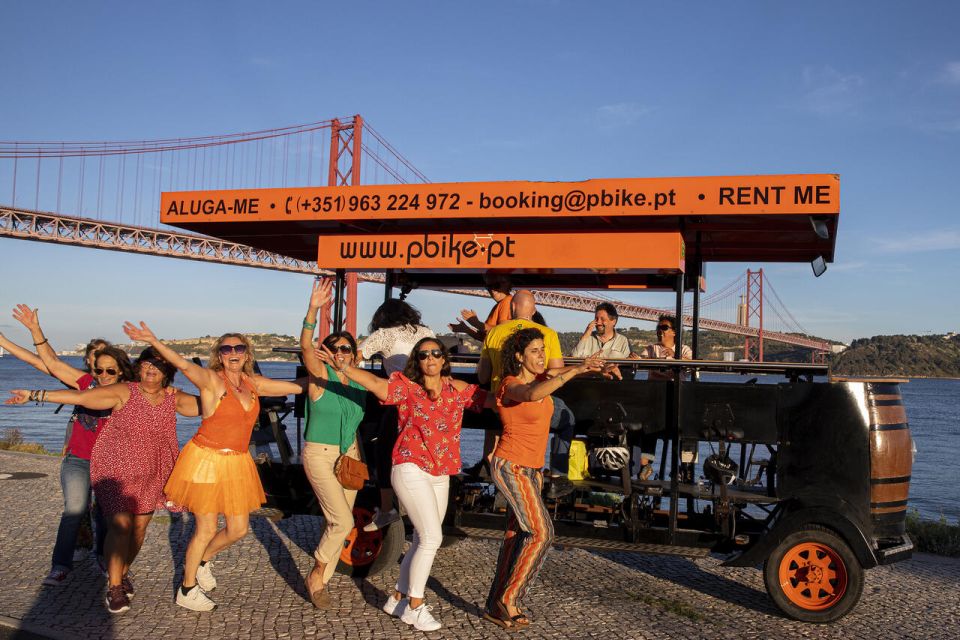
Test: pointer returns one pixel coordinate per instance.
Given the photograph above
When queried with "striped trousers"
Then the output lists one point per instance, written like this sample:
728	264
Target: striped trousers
529	531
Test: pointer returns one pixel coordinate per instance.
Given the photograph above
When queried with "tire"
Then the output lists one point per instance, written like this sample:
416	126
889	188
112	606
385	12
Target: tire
813	575
369	553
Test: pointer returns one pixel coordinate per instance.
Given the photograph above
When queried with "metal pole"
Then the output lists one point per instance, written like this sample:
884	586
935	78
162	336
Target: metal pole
388	278
675	416
338	300
697	275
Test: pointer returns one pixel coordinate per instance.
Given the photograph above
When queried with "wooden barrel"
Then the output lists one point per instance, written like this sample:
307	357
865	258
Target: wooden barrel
891	458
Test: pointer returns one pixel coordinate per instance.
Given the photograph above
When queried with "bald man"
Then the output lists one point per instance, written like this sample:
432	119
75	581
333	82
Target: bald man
489	369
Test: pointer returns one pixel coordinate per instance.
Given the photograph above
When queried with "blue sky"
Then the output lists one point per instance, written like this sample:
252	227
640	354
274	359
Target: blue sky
539	90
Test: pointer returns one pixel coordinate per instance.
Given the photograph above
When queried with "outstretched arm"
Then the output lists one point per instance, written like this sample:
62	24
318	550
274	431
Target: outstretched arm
30	318
195	373
20	353
374	384
319	297
271	387
533	391
98	398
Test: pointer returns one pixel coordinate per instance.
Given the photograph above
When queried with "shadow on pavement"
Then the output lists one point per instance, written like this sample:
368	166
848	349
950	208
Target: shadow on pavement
685	573
280	558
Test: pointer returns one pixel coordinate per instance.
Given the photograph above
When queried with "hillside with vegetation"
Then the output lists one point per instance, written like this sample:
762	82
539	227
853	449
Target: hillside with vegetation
936	356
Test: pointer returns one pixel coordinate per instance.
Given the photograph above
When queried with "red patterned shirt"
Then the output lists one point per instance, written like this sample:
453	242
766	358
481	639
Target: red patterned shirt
430	429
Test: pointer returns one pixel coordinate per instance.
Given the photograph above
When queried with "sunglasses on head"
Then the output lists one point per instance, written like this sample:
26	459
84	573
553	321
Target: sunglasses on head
436	353
342	348
108	371
234	348
664	327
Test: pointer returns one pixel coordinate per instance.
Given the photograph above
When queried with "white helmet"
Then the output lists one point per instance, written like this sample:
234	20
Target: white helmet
612	458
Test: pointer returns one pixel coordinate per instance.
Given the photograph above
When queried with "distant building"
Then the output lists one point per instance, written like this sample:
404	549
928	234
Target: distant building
838	348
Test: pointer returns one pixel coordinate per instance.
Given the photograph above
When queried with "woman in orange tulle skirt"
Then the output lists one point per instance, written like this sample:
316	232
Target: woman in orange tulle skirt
215	474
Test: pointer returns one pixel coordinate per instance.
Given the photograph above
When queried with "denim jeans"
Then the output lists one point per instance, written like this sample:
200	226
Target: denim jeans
562	423
75	483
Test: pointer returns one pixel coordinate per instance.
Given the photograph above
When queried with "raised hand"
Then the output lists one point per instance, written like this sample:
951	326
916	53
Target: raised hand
26	316
140	334
591	327
322	293
458	327
18	396
468	314
327	357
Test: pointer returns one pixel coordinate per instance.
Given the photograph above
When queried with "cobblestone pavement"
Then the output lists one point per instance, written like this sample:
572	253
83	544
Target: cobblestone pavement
580	594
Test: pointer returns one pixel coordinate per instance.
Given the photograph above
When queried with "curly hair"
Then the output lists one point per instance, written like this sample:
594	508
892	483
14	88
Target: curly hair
394	313
152	356
609	308
516	344
214	364
669	318
413	370
126	373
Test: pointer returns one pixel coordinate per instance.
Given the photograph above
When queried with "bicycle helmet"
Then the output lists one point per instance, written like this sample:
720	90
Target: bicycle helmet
612	458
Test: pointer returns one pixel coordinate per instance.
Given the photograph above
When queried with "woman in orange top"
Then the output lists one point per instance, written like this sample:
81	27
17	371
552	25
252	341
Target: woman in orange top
525	409
499	289
215	473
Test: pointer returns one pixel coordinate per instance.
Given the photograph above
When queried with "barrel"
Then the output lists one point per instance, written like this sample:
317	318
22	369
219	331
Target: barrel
891	458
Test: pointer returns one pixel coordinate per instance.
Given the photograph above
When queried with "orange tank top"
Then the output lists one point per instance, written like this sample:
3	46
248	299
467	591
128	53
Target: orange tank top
229	427
526	428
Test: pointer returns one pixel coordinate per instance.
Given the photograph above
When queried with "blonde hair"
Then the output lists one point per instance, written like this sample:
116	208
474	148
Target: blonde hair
213	362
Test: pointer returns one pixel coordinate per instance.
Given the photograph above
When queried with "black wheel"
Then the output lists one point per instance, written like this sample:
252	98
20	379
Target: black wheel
813	576
369	553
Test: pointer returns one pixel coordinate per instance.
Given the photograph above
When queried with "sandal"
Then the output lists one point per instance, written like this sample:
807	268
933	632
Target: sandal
520	620
501	618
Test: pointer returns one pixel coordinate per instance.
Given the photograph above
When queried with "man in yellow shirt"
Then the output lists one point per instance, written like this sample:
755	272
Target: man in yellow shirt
489	369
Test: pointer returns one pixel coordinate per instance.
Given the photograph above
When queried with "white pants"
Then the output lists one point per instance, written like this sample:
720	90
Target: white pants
424	498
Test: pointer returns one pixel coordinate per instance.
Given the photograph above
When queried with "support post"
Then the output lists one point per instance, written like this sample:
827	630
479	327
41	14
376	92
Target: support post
675	417
346	145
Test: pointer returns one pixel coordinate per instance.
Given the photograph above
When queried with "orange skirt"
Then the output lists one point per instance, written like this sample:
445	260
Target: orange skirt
208	480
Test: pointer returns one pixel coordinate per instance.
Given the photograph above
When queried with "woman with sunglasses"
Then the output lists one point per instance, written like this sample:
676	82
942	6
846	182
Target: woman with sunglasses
664	349
83	427
131	459
525	406
334	409
426	454
215	473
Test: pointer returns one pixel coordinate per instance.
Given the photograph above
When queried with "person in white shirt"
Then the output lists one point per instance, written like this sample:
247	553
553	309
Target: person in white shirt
394	330
601	336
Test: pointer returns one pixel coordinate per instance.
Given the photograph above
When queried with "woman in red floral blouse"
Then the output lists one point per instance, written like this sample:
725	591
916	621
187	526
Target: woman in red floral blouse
430	405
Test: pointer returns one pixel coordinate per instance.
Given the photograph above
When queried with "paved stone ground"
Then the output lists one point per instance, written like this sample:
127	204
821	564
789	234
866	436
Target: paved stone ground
580	594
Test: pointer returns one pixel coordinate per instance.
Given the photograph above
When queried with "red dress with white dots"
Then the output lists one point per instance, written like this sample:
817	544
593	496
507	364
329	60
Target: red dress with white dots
134	454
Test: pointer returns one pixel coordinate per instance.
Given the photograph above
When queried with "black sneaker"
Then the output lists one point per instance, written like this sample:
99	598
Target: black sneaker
117	600
559	487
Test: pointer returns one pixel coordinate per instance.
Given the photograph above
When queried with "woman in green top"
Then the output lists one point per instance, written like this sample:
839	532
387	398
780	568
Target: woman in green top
334	409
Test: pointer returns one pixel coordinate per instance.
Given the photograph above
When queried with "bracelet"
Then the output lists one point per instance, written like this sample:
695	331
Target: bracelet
37	344
309	325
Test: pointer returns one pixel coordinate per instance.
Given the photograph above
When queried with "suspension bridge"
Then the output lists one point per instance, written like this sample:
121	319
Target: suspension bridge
105	195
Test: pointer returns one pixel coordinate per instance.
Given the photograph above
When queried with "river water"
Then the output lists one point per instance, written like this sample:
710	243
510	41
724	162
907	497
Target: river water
933	409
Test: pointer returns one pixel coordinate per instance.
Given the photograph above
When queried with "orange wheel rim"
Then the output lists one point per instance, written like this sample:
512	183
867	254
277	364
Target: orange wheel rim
361	547
813	576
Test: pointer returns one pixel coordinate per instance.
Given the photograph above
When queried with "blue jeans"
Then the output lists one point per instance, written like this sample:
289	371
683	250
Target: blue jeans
75	483
562	423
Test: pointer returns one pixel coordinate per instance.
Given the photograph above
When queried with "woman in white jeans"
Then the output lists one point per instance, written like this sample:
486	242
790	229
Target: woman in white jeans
430	405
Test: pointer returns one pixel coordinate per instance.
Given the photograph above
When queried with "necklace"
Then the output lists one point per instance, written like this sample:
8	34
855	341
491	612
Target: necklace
235	386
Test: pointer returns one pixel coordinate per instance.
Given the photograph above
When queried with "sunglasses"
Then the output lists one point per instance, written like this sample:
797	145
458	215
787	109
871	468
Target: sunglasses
664	327
342	348
232	348
109	372
436	353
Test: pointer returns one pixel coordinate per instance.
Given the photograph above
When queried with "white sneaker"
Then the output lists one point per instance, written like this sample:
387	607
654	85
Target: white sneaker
420	618
380	519
205	577
395	607
195	600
